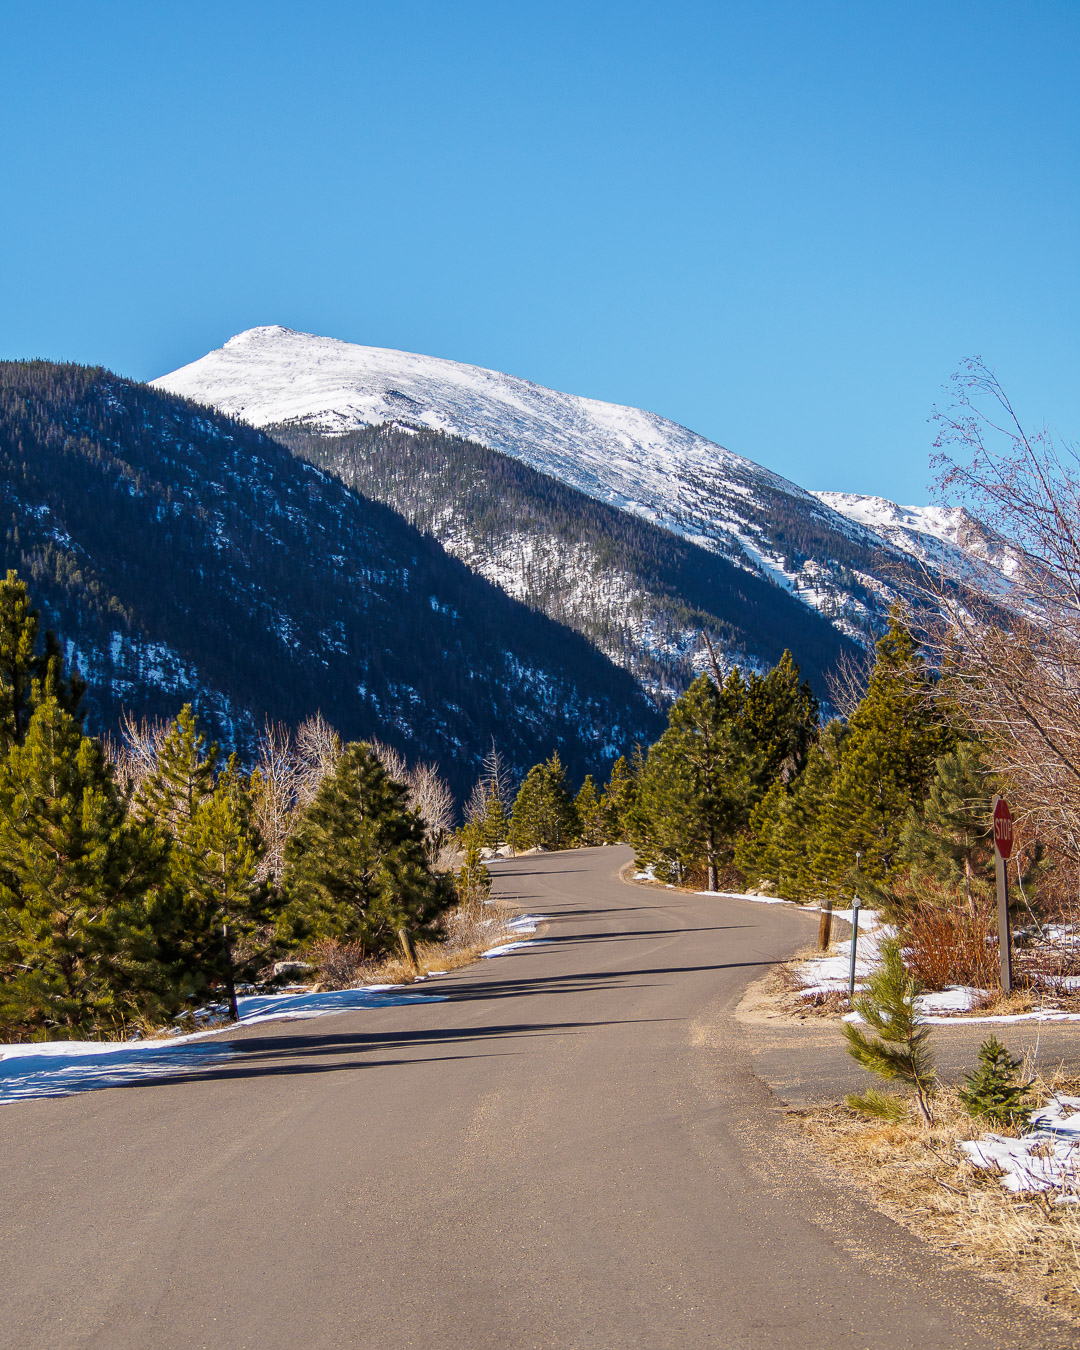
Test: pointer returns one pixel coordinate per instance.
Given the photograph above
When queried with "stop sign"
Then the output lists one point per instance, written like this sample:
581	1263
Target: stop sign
1003	827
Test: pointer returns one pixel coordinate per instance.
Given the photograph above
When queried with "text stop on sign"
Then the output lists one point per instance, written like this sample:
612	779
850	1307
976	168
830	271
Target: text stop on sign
1003	827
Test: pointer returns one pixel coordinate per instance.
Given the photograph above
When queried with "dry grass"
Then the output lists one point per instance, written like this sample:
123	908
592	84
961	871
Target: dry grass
918	1175
470	930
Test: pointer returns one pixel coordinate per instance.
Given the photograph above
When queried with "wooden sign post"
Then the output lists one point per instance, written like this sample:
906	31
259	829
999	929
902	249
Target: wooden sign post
1003	838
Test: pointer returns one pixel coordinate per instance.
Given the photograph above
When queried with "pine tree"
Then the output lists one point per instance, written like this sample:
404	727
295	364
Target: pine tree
895	736
356	869
216	864
543	815
182	780
590	816
949	837
899	1048
780	719
617	801
474	879
27	675
495	823
75	884
697	786
993	1090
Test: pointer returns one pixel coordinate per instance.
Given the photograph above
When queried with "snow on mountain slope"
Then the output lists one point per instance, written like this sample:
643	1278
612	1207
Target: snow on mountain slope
940	536
631	459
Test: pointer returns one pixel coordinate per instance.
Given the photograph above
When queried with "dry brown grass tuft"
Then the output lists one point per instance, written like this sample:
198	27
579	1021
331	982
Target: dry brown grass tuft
919	1176
470	930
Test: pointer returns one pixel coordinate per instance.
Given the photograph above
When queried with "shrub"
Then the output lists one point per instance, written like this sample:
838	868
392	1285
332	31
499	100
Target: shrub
993	1090
948	941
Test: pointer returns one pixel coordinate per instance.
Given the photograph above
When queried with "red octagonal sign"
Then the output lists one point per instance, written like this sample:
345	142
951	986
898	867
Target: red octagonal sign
1003	827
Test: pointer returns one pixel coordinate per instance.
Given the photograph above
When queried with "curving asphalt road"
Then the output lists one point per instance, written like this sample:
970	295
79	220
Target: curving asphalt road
570	1151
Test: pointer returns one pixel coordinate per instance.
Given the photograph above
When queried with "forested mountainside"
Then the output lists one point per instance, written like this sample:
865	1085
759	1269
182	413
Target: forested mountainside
642	594
183	556
625	457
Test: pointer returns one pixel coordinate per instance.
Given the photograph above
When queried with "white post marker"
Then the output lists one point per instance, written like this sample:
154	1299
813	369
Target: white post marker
855	903
1003	841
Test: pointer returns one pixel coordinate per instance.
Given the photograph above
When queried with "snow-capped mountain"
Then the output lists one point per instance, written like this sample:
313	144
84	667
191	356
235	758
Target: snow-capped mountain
182	557
824	548
940	536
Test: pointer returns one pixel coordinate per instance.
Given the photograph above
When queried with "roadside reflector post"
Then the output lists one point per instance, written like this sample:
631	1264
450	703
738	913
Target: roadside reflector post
854	944
1003	841
824	936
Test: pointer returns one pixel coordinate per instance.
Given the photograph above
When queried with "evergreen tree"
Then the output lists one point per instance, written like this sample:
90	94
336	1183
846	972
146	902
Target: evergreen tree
666	820
216	865
495	823
18	659
543	815
27	675
356	869
182	780
590	816
896	1046
75	883
474	879
696	789
780	718
617	801
950	837
993	1090
894	739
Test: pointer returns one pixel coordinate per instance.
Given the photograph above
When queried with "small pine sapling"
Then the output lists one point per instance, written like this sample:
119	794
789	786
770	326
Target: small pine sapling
993	1091
474	879
899	1050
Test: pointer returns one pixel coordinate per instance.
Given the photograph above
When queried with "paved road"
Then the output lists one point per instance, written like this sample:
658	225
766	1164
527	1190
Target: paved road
572	1151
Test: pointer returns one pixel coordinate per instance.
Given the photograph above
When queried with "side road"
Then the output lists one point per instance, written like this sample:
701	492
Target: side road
805	1062
572	1150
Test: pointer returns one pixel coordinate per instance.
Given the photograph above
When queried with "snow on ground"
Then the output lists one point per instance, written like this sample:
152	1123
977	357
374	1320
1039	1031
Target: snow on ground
830	972
527	923
61	1068
741	895
1045	1158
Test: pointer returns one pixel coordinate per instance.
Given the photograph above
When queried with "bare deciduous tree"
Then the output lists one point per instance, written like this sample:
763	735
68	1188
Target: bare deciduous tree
276	785
1009	639
495	782
429	796
134	755
318	749
848	680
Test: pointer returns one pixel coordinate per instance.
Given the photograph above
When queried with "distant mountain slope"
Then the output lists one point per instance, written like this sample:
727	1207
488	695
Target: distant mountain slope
946	538
640	593
624	457
182	555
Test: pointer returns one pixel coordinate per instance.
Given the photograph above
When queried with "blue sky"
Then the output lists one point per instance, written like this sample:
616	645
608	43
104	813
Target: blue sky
782	224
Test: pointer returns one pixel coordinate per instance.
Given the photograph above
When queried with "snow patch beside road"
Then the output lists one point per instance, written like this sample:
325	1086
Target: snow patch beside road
1046	1158
61	1068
